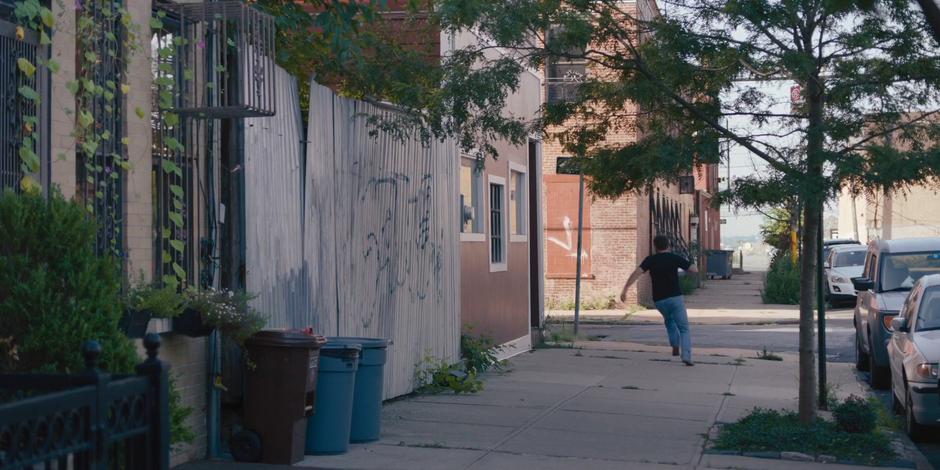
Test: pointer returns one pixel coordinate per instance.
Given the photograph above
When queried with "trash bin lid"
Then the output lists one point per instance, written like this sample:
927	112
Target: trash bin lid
286	339
366	343
341	350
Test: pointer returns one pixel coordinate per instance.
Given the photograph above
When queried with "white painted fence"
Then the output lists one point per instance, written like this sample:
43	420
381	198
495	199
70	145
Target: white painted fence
381	236
365	243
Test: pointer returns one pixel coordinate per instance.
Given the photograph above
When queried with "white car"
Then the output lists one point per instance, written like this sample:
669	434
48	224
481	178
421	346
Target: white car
844	263
913	354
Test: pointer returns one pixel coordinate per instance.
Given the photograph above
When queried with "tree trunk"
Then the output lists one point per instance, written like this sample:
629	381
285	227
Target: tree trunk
807	405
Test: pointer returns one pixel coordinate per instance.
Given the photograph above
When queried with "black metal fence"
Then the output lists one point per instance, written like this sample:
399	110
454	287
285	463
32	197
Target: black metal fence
666	218
92	420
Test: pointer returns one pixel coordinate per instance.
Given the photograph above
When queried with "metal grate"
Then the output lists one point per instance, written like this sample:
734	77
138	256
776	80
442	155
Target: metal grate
14	107
101	176
666	217
228	49
170	189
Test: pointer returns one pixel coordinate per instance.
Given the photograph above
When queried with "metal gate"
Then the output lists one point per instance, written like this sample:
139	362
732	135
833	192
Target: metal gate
666	216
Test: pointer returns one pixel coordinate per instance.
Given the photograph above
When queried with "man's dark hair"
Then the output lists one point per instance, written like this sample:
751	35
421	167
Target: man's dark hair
661	243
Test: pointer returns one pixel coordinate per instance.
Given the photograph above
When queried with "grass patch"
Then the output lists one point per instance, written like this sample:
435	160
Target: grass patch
766	355
780	431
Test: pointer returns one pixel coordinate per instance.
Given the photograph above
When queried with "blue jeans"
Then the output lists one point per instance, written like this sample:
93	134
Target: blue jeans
677	324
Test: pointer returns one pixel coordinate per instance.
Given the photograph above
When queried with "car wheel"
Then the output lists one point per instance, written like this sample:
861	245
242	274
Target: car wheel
861	359
878	377
914	429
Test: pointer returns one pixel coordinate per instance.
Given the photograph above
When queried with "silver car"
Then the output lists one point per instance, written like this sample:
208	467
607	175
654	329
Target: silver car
913	352
844	263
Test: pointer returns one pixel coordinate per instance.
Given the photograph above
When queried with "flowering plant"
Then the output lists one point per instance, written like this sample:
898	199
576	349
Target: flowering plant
227	311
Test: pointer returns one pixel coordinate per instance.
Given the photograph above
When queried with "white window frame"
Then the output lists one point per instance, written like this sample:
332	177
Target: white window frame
523	205
480	206
504	265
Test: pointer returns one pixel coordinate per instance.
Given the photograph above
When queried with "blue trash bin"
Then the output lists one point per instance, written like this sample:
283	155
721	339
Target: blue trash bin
328	428
367	401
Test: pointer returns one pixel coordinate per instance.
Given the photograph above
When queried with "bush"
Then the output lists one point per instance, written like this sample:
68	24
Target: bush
782	284
688	283
55	292
855	415
781	431
437	375
479	352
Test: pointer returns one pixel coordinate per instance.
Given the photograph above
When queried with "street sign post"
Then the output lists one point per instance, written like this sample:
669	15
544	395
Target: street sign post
570	166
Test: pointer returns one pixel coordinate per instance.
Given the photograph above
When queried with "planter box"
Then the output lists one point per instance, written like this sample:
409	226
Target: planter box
134	323
190	323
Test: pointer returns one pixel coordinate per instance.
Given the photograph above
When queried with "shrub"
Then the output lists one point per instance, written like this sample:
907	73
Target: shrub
855	415
782	284
437	375
479	352
55	292
688	283
161	302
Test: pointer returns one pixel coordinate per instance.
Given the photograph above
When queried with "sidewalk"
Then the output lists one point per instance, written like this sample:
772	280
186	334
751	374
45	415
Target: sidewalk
606	406
721	302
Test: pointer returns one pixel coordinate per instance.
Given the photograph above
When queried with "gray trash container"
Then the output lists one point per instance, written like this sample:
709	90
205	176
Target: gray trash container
718	263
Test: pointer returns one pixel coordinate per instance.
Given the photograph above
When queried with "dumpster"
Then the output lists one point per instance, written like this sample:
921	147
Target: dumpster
718	263
280	393
367	399
328	429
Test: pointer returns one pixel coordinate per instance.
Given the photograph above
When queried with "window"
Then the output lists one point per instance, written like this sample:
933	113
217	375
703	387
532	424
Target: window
518	203
471	202
900	271
928	316
497	224
849	258
565	72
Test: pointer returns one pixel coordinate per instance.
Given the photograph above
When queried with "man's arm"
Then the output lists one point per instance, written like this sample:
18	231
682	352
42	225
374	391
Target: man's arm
633	278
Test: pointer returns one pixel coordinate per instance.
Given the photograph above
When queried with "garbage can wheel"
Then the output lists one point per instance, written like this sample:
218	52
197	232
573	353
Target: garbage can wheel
246	446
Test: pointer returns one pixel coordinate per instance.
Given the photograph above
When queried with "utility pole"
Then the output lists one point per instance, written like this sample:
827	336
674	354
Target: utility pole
577	280
821	316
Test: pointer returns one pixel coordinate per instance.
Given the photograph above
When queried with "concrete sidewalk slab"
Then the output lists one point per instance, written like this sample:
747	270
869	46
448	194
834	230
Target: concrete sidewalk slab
615	405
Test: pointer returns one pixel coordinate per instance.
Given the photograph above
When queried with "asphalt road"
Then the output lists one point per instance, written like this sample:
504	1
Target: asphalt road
775	338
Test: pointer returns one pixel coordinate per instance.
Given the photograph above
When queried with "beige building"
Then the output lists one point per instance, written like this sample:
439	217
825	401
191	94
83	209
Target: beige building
908	214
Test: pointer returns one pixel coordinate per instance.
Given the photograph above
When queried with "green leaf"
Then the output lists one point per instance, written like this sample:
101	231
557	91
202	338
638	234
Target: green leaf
53	65
177	190
139	112
188	74
231	43
47	17
91	56
167	233
156	23
125	141
26	67
29	93
90	147
44	39
72	87
171	119
170	167
29	185
176	219
173	144
29	158
180	273
110	84
106	135
178	245
85	119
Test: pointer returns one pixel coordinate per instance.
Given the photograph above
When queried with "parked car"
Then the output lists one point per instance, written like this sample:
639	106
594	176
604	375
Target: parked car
828	245
891	269
914	351
844	263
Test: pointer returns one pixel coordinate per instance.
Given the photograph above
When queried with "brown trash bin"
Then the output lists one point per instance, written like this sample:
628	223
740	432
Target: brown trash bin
280	391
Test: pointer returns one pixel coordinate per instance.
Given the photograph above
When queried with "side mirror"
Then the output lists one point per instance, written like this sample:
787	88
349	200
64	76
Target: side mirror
862	283
899	324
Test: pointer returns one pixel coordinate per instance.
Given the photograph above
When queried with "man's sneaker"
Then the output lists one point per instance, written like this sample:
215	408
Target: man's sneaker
688	362
675	350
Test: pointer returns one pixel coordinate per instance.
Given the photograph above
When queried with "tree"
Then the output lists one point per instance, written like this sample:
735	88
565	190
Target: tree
702	62
677	78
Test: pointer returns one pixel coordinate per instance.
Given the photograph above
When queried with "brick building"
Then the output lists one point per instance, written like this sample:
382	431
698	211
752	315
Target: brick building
617	234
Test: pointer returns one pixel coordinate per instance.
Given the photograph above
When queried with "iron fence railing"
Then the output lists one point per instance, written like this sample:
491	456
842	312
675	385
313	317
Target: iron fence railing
666	216
91	420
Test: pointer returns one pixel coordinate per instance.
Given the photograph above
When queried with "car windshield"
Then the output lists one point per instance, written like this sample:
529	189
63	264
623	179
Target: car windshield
928	316
900	271
850	258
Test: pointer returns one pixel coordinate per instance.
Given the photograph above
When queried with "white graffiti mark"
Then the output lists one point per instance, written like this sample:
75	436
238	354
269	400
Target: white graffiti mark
567	245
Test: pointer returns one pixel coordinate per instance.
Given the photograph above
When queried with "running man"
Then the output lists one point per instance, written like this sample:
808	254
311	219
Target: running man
663	268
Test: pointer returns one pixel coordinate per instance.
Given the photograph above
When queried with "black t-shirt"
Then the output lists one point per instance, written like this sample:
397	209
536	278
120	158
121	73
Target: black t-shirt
664	271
